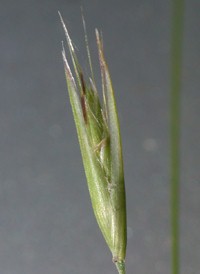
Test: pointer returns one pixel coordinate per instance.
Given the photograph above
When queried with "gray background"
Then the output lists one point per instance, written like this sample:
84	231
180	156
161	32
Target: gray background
46	221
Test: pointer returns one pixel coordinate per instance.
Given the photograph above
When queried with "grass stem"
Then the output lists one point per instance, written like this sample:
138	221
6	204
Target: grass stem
176	64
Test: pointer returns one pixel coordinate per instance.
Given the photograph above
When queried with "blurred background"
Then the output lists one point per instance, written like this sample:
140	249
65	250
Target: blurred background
46	220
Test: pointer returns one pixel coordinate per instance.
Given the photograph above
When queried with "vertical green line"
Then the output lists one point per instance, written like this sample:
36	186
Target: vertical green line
176	64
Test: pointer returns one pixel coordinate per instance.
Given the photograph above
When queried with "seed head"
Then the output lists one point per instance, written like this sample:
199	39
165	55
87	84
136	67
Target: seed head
100	143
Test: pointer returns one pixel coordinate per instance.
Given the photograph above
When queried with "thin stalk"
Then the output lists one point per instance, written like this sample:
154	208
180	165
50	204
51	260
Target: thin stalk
121	267
176	64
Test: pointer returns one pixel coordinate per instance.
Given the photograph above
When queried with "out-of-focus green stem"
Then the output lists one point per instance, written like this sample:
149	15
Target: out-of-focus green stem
176	64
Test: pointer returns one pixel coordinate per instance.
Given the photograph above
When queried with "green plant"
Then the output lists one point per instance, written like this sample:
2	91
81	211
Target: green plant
176	64
100	143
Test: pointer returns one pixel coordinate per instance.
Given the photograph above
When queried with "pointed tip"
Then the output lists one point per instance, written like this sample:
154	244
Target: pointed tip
83	19
61	19
93	86
66	65
82	15
69	41
99	37
97	34
100	48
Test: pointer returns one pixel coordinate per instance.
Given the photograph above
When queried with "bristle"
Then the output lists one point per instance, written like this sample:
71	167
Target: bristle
72	51
66	33
88	48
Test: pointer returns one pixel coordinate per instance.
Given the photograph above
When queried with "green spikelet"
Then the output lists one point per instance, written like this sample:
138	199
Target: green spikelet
100	143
